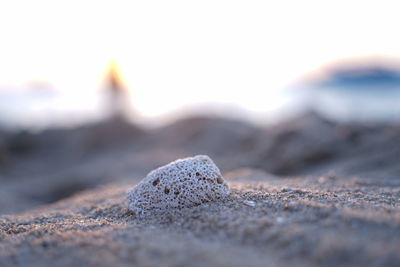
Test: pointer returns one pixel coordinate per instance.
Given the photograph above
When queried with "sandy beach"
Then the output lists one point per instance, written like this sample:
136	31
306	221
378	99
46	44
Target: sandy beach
306	192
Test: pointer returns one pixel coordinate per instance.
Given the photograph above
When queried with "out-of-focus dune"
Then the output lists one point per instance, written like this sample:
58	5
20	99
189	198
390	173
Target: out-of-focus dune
323	192
48	166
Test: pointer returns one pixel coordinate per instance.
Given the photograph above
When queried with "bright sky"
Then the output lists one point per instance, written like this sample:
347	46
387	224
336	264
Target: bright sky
175	53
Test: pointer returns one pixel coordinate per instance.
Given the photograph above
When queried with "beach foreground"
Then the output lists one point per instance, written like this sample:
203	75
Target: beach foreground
267	221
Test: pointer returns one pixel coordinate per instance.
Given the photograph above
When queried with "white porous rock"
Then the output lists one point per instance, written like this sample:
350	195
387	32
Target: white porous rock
183	183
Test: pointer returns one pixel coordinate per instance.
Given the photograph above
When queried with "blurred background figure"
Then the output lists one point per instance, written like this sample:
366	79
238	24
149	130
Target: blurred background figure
117	93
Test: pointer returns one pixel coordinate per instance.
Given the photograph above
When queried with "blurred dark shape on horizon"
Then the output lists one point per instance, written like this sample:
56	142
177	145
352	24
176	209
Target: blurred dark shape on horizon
362	77
363	90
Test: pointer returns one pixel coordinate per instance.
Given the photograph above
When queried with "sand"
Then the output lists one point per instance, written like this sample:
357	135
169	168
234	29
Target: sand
295	222
337	210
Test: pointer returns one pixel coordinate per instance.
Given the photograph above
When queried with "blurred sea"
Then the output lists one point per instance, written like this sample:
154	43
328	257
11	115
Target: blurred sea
367	94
